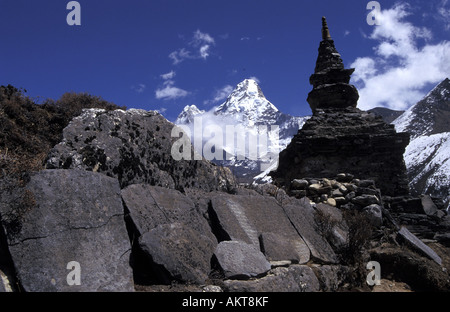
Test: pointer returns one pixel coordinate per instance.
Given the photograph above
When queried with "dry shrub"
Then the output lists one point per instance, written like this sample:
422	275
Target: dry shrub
29	130
355	254
325	224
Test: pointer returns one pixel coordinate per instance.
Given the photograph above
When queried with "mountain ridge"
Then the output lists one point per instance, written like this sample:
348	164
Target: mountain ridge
427	157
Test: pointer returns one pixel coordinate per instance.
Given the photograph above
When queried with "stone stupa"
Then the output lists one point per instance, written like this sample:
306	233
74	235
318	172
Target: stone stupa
339	137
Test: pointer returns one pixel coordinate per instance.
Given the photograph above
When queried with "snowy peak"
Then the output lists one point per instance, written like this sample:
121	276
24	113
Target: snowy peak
440	93
249	100
430	115
188	114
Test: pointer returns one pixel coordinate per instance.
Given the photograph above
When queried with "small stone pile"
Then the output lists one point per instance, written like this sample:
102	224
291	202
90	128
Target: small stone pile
344	192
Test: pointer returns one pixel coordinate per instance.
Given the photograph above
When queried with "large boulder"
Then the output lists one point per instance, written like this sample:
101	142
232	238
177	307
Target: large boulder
69	216
151	206
135	147
182	251
171	231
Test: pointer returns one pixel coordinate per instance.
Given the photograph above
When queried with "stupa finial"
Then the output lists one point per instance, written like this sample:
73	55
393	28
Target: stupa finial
325	30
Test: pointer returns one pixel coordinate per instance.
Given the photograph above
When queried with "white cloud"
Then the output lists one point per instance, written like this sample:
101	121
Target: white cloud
180	55
204	51
255	78
169	75
201	43
139	88
169	92
162	110
200	38
401	68
444	13
220	95
346	33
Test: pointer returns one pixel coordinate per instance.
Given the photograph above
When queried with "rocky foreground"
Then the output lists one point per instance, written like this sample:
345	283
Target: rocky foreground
113	200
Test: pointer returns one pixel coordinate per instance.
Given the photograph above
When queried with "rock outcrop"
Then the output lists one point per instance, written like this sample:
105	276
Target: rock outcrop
341	138
133	146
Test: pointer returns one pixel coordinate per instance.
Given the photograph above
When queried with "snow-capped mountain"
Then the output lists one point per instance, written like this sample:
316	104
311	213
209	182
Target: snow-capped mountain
188	114
248	108
247	104
427	157
428	163
429	116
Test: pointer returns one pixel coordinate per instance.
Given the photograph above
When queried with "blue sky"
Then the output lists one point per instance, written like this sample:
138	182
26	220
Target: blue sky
165	54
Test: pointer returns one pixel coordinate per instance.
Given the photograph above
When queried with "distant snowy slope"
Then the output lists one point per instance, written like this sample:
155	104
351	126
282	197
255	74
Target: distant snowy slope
429	116
427	157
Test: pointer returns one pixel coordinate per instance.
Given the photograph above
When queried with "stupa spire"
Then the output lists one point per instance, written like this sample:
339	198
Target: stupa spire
325	29
331	88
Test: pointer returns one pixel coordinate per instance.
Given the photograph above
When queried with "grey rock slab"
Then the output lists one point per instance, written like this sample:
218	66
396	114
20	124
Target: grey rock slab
240	260
301	216
184	252
246	217
75	215
277	247
151	206
295	278
415	243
